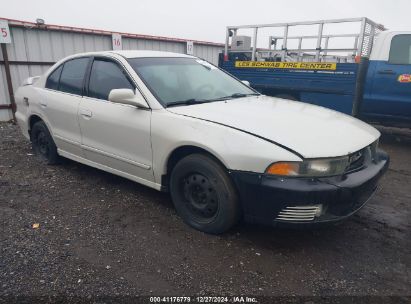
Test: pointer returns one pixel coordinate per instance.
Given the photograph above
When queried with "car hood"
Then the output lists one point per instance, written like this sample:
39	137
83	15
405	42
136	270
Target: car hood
309	130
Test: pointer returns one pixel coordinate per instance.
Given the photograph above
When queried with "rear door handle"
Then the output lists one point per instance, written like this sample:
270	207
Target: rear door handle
86	113
386	72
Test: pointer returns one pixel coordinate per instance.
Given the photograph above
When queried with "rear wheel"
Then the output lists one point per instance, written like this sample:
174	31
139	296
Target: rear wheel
43	144
204	195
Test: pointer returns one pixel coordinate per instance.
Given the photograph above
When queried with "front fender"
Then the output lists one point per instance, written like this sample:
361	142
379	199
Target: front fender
235	149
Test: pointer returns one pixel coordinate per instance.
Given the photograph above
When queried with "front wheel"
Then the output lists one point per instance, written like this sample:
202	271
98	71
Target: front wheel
204	195
43	144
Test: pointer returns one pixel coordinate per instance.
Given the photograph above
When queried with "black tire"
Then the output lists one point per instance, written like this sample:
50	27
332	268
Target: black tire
43	144
204	195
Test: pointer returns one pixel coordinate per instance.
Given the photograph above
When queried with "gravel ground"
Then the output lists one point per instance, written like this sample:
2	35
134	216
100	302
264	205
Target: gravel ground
102	235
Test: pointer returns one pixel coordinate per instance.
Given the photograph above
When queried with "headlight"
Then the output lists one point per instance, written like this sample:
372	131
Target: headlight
310	167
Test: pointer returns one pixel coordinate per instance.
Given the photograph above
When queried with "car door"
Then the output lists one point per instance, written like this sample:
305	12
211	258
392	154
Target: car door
115	135
391	88
61	99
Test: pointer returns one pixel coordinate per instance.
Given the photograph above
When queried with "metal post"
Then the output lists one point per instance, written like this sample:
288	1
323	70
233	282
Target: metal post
361	38
320	36
254	44
285	43
371	42
359	86
227	37
326	45
8	79
300	42
355	46
270	47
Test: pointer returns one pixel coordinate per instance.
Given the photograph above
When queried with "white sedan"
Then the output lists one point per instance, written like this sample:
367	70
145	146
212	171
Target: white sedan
225	152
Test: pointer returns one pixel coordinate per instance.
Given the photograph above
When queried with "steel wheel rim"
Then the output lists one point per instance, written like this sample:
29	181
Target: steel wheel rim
42	144
200	197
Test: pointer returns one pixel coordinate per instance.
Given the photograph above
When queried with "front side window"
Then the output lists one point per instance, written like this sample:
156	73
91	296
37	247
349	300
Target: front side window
54	78
176	80
72	76
104	77
400	52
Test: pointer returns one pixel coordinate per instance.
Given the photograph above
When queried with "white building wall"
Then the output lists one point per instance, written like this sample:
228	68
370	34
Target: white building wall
33	50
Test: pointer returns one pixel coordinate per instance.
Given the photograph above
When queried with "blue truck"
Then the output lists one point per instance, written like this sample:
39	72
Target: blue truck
370	79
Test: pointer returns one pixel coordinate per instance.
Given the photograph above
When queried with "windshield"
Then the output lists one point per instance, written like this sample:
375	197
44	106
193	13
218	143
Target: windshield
176	81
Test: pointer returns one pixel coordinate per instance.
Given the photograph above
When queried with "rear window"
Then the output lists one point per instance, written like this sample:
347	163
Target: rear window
72	76
400	52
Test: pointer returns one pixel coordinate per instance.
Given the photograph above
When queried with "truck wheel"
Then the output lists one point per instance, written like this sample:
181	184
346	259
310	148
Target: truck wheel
286	96
204	195
43	144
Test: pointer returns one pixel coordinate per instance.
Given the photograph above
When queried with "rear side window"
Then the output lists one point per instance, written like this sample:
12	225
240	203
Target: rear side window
72	76
54	78
104	77
400	52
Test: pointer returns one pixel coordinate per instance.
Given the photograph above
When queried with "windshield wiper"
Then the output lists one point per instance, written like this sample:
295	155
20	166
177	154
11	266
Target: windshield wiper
237	95
189	101
192	101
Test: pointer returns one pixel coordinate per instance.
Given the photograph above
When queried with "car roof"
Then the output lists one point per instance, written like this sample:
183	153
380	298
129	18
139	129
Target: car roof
144	53
136	54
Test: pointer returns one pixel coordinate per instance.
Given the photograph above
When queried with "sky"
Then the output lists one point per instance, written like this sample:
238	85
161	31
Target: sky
200	20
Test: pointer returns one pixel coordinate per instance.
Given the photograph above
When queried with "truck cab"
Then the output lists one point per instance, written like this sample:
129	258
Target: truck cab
387	94
368	75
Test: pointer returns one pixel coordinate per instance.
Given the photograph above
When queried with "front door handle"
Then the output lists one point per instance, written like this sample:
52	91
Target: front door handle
43	104
386	72
86	113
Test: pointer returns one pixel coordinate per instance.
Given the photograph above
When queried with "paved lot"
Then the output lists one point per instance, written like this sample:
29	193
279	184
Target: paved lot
100	234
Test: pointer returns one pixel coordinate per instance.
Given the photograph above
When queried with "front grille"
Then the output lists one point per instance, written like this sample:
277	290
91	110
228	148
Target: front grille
299	213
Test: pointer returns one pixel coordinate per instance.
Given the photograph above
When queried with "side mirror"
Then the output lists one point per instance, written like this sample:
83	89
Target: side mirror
247	83
127	96
30	80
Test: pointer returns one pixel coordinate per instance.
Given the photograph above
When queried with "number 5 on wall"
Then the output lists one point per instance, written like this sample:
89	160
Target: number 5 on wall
4	32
